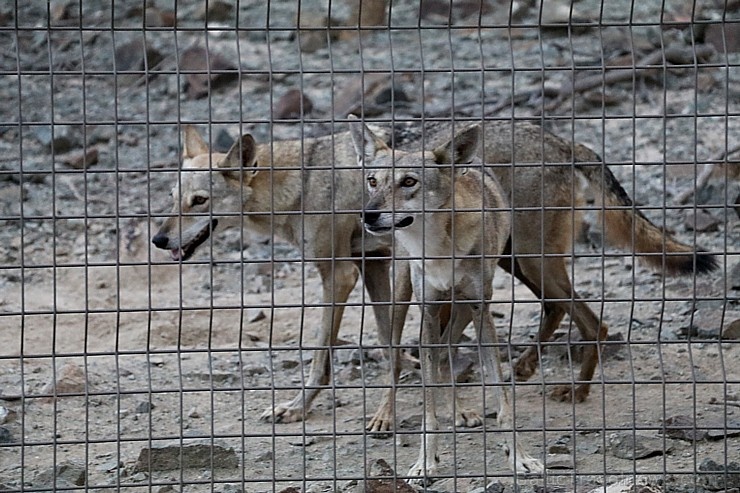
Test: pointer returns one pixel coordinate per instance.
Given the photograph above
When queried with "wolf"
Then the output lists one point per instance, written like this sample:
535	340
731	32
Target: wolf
544	178
453	222
299	192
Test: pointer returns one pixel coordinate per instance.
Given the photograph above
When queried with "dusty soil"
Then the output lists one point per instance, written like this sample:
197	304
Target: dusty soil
169	354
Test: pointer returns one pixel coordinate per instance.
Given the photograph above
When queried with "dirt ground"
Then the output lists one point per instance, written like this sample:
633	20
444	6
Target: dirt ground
157	353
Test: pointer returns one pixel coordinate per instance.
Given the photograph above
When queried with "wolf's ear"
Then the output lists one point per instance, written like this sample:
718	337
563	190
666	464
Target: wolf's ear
242	156
461	149
192	143
366	143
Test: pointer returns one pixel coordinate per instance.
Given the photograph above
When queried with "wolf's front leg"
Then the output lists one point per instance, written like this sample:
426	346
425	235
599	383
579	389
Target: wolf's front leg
426	464
519	459
337	279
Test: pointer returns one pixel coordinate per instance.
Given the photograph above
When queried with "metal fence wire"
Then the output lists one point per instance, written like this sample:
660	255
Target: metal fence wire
370	246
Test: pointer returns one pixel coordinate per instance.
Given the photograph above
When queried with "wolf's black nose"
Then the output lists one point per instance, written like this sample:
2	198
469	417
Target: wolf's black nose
160	241
370	217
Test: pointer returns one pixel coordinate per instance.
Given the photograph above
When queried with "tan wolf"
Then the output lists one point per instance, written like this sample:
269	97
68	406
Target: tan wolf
544	187
296	191
453	223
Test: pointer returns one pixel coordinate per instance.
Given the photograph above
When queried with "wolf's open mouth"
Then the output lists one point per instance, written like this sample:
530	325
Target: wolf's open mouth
186	251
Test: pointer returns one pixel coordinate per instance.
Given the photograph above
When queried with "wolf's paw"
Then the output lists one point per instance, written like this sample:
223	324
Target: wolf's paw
522	462
381	423
283	413
468	419
422	472
526	366
565	393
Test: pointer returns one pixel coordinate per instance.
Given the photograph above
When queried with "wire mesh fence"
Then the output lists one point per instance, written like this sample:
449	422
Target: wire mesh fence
216	214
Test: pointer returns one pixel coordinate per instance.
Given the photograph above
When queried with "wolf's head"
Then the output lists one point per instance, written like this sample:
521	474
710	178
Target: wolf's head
210	190
404	185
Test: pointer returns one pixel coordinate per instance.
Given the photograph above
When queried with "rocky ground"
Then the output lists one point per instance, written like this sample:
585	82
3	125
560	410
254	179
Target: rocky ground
167	367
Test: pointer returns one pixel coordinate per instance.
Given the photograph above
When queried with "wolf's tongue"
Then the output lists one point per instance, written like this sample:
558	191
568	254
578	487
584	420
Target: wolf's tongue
176	253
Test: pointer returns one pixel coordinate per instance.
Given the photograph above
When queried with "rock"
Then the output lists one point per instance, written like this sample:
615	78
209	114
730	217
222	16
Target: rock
496	487
70	380
223	142
369	94
559	446
66	473
7	415
255	315
453	485
702	221
189	456
683	427
628	446
205	66
715	477
733	280
294	104
312	32
381	479
144	407
731	330
138	57
62	139
614	345
5	435
216	11
560	461
80	159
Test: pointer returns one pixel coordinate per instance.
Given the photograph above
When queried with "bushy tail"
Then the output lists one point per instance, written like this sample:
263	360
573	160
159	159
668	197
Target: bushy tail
626	227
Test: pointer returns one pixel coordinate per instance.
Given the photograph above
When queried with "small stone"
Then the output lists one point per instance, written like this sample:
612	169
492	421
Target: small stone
193	455
733	279
715	477
144	407
135	59
560	461
289	364
65	473
701	221
313	33
80	159
294	104
62	139
194	414
496	487
5	435
731	330
70	380
382	480
217	11
255	315
683	427
6	415
631	447
110	466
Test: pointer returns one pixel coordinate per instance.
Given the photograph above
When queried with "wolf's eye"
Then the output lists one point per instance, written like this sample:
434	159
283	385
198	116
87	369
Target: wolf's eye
199	200
372	182
409	181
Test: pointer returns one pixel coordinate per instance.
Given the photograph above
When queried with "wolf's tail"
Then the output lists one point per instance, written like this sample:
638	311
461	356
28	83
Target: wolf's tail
626	227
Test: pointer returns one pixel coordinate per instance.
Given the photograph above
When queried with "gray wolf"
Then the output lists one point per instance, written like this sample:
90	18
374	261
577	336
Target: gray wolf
453	222
545	188
262	188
